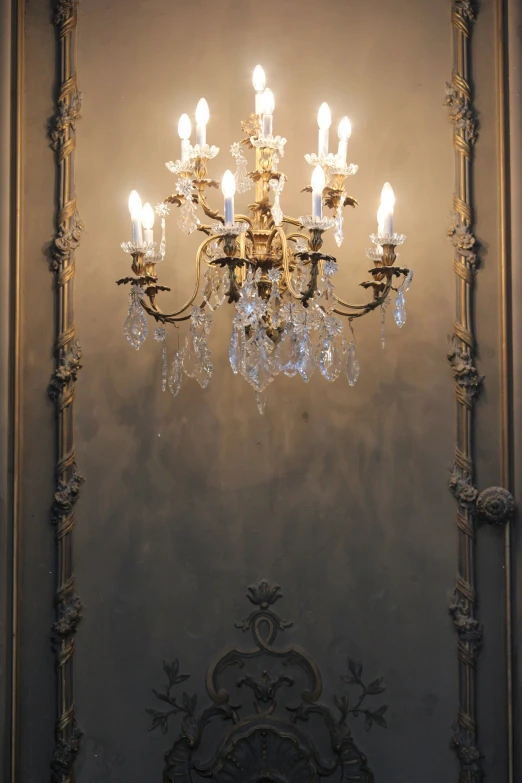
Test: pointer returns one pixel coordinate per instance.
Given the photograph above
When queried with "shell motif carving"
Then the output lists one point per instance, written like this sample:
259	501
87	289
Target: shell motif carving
265	755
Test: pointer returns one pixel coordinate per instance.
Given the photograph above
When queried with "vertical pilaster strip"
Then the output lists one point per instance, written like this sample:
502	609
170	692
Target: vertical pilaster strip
11	102
459	100
68	355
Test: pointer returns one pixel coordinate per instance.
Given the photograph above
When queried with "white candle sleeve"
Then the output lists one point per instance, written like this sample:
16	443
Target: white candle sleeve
317	204
323	142
342	151
137	235
201	135
267	125
387	224
229	209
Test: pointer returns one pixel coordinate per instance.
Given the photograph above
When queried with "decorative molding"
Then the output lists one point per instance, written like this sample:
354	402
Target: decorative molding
267	741
62	133
494	505
459	101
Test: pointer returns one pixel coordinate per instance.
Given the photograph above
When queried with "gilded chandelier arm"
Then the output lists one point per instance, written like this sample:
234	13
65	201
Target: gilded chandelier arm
365	308
156	313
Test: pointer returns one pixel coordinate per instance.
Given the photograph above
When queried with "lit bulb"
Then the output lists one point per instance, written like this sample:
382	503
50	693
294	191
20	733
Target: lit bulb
202	112
184	127
147	216
135	204
324	116
387	197
135	211
381	212
228	184
318	179
259	79
268	101
385	214
345	129
147	221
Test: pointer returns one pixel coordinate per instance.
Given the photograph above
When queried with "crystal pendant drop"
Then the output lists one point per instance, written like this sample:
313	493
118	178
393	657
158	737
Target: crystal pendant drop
234	351
399	312
277	188
135	327
261	401
338	232
187	219
176	373
287	353
243	181
160	335
277	212
352	364
191	356
407	282
330	359
205	368
306	363
384	307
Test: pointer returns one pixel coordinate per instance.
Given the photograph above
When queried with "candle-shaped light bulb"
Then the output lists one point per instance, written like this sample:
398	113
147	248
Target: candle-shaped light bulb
184	131
324	120
380	220
344	132
135	212
202	118
318	183
387	204
147	221
268	110
228	187
259	82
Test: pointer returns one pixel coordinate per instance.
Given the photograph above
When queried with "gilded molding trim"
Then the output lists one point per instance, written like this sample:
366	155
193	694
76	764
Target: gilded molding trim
494	505
459	101
61	390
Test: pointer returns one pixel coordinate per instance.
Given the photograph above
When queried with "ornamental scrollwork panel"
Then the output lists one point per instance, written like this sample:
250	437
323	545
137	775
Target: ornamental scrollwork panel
265	699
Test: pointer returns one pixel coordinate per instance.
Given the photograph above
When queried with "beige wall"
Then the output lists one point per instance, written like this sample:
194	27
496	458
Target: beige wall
338	494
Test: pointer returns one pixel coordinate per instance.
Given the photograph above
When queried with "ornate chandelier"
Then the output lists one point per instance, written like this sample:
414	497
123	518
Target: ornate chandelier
288	317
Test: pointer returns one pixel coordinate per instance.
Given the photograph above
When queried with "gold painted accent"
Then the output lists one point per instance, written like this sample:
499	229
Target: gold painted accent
68	354
467	384
265	245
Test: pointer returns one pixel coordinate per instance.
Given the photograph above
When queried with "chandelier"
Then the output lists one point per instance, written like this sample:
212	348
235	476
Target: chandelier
271	267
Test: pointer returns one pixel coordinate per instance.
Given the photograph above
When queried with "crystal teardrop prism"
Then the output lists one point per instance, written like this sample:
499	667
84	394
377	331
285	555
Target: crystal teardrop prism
234	351
135	327
330	358
261	401
399	312
187	218
287	353
243	181
306	363
191	358
352	364
176	373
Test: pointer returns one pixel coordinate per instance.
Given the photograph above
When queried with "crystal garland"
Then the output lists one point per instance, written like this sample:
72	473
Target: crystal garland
309	337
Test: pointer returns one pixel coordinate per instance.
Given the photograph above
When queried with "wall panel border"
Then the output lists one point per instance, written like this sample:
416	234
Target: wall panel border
11	98
494	505
68	355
